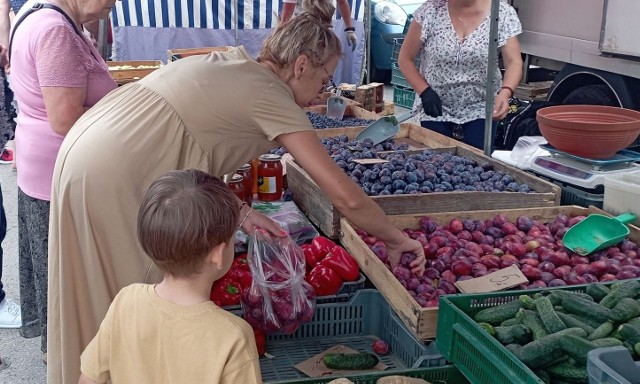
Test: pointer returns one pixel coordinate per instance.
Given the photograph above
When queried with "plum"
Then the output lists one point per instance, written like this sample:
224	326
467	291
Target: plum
440	241
559	258
500	219
462	267
556	283
628	245
473	247
465	277
430	250
531	245
607	277
446	286
598	268
413	283
431	273
530	272
448	275
581	269
537	285
524	223
508	229
547	277
575	220
572	278
494	232
589	278
455	226
562	271
490	261
547	266
402	273
424	288
380	250
562	219
465	235
407	258
380	347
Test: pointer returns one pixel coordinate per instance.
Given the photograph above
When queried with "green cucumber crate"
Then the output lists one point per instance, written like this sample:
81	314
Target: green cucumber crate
479	356
356	324
448	374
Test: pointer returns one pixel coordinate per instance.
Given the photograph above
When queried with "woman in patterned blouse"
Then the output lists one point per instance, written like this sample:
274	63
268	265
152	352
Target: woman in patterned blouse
451	40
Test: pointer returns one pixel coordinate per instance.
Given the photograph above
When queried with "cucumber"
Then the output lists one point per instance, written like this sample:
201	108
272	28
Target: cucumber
559	309
587	320
514	334
543	375
488	328
527	302
556	297
498	314
361	360
549	317
508	322
603	330
630	348
587	308
626	309
577	348
636	348
629	333
635	322
628	288
531	320
515	349
606	342
546	350
571	322
598	291
568	372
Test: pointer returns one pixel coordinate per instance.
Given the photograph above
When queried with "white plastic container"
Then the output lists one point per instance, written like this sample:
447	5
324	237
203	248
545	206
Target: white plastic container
622	194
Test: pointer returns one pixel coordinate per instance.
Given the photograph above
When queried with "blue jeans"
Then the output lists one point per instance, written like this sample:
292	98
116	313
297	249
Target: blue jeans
3	232
472	132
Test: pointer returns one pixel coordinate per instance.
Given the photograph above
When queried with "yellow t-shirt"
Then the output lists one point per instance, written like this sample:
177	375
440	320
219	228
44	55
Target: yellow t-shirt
145	339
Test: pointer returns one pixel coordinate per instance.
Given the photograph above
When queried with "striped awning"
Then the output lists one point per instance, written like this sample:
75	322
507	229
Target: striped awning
211	14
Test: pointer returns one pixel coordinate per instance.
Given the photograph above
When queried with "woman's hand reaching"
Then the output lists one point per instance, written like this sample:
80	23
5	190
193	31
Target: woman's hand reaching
408	245
250	220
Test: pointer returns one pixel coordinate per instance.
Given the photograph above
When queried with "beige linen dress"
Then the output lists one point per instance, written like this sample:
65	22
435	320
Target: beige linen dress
212	113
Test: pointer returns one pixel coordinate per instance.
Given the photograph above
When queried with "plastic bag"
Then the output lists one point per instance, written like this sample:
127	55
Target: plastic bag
279	299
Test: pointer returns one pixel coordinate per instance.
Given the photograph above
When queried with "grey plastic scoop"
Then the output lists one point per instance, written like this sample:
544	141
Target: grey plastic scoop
384	129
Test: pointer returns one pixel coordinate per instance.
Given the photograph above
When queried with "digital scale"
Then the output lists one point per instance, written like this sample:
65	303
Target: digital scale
583	172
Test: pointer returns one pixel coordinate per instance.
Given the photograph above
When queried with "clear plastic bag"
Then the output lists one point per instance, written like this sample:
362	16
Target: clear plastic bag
279	299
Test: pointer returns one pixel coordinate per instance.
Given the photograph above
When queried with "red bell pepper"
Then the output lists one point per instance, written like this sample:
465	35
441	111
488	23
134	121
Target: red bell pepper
261	341
241	262
226	292
309	256
324	280
320	246
343	263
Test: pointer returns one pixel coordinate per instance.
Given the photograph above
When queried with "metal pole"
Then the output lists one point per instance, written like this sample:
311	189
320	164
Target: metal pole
367	35
235	4
491	69
103	31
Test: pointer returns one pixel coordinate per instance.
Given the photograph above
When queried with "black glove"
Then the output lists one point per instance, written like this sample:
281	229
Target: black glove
431	102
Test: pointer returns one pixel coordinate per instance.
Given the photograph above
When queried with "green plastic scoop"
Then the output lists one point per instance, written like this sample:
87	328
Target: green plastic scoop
384	128
596	232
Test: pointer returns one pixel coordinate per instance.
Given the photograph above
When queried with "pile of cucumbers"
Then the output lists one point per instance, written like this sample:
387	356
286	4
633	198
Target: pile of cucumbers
552	332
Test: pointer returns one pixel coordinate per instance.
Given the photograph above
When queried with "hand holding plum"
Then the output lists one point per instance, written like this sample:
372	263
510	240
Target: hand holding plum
398	254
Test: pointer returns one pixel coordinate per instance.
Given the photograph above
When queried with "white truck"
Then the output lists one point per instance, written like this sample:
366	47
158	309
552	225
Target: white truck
594	44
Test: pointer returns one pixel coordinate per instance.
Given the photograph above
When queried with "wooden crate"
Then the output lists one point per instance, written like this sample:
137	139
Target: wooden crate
127	71
352	110
315	204
423	321
181	53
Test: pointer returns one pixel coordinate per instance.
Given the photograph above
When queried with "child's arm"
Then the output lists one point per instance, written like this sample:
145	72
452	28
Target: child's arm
85	380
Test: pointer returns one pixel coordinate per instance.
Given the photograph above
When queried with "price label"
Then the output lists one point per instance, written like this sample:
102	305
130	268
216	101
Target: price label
503	279
369	161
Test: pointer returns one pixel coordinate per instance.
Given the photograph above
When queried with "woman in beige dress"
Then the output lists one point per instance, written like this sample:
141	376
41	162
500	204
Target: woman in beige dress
212	113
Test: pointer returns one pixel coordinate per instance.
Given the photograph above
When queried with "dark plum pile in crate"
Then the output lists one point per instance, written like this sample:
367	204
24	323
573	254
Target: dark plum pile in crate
320	121
424	172
357	150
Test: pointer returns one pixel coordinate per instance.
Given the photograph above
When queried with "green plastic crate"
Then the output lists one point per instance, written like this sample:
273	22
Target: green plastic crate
440	375
356	324
403	96
479	356
397	78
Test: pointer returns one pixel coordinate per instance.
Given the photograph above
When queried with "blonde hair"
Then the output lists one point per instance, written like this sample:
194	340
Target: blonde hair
322	9
305	34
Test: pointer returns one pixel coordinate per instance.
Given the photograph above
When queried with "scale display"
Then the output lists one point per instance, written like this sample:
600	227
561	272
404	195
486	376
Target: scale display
562	169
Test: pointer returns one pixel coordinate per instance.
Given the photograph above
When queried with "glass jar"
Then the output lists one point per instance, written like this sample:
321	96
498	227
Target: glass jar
236	184
269	178
247	182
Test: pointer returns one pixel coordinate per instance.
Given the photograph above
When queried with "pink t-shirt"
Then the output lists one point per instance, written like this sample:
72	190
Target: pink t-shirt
47	52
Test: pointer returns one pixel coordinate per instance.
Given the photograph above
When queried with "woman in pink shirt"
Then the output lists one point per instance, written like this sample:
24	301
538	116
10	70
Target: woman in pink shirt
57	74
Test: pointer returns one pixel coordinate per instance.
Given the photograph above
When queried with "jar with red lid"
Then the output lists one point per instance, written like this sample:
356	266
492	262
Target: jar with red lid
269	178
247	182
236	184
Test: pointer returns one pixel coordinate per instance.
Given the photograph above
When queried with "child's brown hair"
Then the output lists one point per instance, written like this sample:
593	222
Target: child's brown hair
183	216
